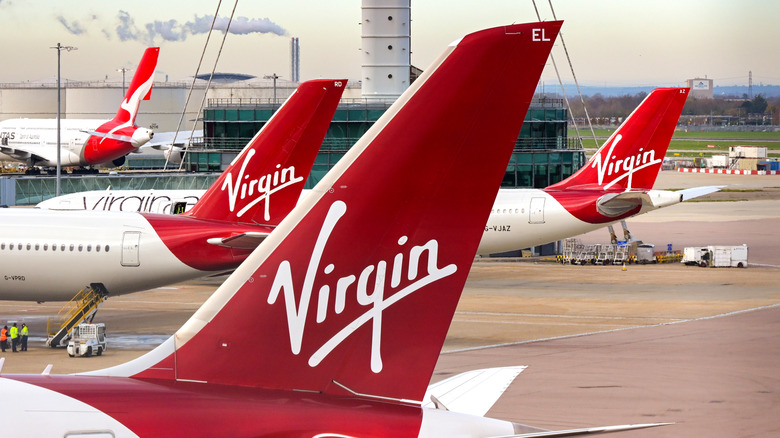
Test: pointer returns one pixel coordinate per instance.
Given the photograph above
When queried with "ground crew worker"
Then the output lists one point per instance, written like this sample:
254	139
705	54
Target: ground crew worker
4	338
24	332
14	337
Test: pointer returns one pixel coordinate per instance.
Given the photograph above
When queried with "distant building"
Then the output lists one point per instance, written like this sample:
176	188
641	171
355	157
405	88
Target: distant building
701	88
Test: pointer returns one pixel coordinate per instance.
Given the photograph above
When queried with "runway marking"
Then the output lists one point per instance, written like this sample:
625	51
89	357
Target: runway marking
553	338
544	315
525	322
764	265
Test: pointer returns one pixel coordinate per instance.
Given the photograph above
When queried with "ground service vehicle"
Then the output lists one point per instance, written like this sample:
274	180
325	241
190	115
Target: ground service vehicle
87	339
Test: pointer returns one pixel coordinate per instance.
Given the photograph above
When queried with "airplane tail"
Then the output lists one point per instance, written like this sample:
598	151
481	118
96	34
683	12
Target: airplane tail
631	158
140	88
264	182
354	291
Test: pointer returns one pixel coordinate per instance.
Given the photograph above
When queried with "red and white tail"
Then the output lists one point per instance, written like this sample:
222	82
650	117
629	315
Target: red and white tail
264	182
357	287
114	139
631	158
140	88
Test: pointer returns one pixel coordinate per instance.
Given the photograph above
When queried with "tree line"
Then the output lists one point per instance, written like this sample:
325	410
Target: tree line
621	106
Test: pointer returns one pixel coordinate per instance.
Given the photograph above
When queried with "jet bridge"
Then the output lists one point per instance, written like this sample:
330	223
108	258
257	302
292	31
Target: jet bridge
82	308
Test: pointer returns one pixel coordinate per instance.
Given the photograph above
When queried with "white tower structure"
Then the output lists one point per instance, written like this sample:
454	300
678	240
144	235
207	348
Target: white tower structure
386	47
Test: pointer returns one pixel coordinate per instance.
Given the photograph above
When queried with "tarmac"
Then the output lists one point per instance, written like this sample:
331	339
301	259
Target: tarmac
697	347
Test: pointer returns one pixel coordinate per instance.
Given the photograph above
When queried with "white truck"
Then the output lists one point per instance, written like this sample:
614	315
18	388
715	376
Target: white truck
87	339
716	256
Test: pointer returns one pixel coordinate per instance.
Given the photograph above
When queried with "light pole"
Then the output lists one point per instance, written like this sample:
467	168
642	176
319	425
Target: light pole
123	70
59	48
274	77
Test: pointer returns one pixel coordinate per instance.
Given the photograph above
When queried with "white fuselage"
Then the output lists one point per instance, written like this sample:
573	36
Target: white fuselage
39	137
520	218
45	257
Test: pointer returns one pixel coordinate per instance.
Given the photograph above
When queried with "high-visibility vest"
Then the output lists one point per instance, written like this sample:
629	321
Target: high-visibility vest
24	330
14	332
3	335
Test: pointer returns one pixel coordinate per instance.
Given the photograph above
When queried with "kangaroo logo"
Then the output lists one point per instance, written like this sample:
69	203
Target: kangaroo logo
131	106
377	303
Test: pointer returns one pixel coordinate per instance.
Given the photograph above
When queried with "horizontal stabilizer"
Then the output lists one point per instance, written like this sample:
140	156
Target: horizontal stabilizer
473	392
248	240
584	431
698	191
616	204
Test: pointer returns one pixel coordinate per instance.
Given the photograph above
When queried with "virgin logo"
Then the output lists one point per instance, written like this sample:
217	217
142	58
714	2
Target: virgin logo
257	189
624	168
385	291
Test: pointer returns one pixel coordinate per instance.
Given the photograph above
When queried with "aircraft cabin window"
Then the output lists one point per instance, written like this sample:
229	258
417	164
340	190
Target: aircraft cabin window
107	247
20	247
37	247
62	247
29	246
97	248
81	248
71	247
89	248
45	246
2	245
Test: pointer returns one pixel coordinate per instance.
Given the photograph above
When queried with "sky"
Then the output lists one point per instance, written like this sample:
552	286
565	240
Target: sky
610	42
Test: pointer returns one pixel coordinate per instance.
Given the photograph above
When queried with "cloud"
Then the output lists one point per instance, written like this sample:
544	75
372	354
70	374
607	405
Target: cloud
126	30
73	27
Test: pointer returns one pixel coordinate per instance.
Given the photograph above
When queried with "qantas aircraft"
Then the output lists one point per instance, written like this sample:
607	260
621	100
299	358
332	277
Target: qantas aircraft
48	255
85	142
616	183
332	327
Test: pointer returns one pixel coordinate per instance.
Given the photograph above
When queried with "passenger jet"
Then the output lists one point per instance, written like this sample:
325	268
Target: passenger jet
616	183
85	142
48	255
332	327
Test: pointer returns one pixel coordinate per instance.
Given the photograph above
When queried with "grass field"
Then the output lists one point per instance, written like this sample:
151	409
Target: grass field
694	143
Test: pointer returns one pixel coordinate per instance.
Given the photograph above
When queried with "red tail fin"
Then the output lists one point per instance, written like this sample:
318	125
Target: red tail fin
632	156
140	88
276	163
359	284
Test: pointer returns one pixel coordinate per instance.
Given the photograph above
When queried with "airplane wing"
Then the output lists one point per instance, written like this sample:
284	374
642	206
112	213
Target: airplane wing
17	154
24	156
473	392
248	240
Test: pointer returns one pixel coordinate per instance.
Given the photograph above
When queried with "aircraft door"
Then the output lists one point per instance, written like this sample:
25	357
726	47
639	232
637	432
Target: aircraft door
130	248
536	212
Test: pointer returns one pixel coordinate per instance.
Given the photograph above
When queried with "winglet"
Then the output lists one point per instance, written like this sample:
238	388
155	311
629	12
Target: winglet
632	156
360	282
264	182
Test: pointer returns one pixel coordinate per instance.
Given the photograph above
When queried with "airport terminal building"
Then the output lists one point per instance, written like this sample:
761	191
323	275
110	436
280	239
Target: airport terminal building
543	153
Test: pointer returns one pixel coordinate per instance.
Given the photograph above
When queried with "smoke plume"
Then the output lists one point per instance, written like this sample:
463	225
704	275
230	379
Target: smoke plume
153	33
